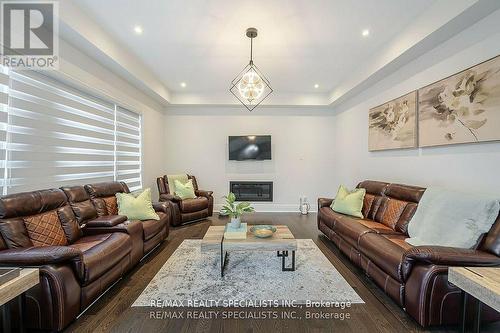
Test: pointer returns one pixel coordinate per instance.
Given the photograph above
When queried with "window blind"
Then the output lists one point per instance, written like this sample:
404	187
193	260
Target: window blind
4	103
128	148
59	136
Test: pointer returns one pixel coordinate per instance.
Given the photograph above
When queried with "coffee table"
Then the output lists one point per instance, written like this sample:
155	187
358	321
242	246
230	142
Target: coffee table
282	242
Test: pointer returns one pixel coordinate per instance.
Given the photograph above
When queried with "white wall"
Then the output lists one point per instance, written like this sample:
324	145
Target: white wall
80	69
466	167
302	150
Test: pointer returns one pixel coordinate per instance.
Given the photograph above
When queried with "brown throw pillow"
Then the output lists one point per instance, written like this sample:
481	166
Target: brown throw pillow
45	229
111	205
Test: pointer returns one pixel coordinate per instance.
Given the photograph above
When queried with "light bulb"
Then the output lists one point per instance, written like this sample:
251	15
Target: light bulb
251	86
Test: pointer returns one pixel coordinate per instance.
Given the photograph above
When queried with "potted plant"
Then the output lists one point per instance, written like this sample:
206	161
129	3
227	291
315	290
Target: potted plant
235	209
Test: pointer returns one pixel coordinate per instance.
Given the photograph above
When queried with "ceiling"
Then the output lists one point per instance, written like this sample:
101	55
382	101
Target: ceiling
301	42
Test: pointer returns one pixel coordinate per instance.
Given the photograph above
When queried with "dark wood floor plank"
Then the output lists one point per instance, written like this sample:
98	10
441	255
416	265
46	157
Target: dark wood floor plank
113	312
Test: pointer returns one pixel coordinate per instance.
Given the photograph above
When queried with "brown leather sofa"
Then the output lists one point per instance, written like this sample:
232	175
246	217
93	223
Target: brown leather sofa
187	210
415	277
80	248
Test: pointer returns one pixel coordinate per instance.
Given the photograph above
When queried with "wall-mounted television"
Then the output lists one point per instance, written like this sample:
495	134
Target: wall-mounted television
250	147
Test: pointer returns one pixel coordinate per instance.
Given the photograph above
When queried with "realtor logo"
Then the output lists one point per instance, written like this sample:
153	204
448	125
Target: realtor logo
29	34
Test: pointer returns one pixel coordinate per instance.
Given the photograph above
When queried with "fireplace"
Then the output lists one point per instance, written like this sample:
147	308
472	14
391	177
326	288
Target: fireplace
252	191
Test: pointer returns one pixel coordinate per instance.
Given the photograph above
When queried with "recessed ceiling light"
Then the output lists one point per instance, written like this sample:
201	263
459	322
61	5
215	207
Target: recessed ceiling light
183	84
365	33
316	86
138	30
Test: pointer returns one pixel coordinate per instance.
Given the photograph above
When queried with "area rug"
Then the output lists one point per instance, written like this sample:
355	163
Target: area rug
249	276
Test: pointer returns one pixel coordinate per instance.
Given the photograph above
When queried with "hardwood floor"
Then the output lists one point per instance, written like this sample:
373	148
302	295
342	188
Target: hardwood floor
113	312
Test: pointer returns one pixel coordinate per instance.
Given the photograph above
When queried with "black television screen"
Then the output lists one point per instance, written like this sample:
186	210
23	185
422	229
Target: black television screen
250	147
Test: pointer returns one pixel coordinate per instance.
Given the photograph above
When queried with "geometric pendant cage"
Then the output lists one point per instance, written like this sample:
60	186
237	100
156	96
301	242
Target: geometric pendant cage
251	86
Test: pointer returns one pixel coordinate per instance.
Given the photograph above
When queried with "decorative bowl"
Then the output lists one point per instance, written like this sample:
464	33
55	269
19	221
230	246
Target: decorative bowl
263	231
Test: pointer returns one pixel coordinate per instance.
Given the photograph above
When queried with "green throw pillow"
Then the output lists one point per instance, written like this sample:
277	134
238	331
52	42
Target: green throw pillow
136	207
349	202
185	191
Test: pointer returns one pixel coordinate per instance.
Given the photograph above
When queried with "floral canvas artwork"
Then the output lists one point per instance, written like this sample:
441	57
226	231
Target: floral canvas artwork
462	108
393	125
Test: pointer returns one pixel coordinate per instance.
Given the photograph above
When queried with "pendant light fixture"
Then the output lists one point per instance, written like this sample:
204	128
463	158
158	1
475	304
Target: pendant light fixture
251	87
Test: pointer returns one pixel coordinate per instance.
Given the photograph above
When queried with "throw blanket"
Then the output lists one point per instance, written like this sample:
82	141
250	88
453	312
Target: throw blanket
447	218
183	178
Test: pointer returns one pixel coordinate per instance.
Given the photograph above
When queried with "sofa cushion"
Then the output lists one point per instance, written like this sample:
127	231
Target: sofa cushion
373	187
101	252
69	224
84	210
105	189
45	229
13	232
193	205
377	226
31	203
384	253
348	227
399	240
152	227
371	205
100	206
405	192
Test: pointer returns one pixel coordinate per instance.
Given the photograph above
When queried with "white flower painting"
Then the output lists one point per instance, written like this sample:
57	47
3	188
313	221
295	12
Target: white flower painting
392	125
462	108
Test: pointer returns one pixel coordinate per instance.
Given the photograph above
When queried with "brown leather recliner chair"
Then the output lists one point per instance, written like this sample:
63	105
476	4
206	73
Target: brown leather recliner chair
187	210
415	277
40	229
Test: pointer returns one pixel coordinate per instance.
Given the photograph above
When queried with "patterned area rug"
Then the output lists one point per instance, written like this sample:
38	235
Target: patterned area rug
249	276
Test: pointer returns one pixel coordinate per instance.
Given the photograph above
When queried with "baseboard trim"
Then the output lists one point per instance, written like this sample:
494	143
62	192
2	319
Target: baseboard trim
271	207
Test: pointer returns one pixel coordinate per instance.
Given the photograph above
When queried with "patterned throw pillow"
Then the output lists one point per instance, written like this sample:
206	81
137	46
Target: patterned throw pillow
136	208
111	205
45	229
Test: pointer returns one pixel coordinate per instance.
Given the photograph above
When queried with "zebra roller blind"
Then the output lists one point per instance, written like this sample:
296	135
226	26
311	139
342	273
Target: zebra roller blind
57	135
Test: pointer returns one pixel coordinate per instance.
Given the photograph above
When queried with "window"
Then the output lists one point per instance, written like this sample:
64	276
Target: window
56	135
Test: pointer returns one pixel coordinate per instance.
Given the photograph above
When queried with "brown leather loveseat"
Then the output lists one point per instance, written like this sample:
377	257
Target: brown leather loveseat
79	249
415	277
186	210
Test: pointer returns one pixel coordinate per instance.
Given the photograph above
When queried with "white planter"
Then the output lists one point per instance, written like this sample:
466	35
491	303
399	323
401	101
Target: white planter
235	222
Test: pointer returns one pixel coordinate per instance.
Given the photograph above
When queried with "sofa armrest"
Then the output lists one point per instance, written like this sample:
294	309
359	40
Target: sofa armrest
106	221
40	255
324	202
128	227
161	207
169	197
201	193
446	256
